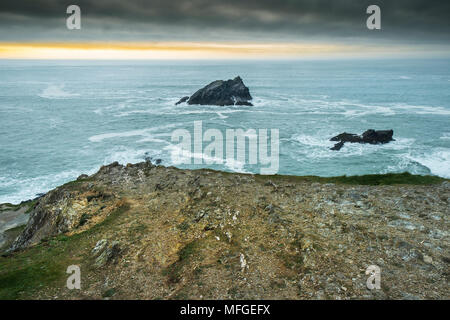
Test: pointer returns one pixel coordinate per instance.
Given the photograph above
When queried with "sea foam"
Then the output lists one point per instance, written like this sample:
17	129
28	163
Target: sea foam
56	92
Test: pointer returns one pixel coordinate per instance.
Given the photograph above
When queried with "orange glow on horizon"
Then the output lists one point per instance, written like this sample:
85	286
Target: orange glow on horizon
165	50
202	50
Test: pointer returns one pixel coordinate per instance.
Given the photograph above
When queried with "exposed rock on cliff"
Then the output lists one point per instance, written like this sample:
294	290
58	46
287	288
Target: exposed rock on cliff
221	93
12	220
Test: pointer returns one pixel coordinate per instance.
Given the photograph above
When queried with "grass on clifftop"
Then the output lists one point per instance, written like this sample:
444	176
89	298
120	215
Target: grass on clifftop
44	265
369	179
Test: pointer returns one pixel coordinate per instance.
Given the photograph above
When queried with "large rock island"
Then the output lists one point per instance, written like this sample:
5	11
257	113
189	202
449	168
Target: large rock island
221	93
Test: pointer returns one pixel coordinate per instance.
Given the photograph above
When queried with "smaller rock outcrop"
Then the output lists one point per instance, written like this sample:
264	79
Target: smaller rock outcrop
370	136
338	146
221	93
184	99
80	177
104	253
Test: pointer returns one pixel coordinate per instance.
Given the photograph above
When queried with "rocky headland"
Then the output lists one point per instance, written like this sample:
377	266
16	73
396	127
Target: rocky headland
146	231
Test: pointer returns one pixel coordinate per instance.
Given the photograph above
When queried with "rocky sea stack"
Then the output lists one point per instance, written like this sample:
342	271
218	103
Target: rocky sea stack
221	93
370	136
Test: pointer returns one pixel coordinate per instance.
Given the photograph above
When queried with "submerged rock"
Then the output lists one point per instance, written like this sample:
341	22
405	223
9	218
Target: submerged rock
370	136
221	93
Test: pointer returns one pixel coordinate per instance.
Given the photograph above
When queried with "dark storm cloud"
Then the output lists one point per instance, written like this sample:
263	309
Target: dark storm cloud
343	20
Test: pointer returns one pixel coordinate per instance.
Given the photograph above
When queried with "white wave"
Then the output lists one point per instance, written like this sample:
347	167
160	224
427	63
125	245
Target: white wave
437	161
403	164
103	136
358	109
205	111
325	105
404	78
55	122
146	133
56	92
171	111
318	147
421	109
152	139
130	102
369	110
313	141
221	116
133	112
351	108
29	187
445	136
182	156
296	105
124	155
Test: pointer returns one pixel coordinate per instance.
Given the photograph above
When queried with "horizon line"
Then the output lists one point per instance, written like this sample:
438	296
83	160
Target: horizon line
162	50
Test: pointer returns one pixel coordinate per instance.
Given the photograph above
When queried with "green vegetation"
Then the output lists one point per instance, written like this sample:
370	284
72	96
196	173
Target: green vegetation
188	250
17	229
369	179
10	235
24	272
109	293
30	204
77	182
183	226
9	207
389	179
173	272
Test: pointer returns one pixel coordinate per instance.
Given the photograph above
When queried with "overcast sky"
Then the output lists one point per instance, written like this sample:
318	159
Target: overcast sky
406	21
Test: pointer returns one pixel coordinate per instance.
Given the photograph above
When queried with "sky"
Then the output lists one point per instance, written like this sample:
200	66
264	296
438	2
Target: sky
177	29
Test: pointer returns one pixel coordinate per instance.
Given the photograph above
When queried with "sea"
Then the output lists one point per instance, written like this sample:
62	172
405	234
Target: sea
60	119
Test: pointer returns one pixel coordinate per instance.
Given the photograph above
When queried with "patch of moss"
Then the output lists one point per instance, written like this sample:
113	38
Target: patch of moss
83	219
139	228
109	293
183	226
369	179
17	229
25	272
75	182
10	235
10	206
173	272
188	250
31	206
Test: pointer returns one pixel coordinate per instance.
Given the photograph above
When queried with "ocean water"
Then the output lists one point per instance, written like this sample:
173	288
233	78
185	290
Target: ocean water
59	119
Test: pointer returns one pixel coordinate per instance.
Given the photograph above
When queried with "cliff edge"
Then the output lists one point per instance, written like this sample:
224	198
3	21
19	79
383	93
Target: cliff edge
151	232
